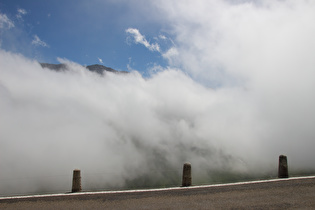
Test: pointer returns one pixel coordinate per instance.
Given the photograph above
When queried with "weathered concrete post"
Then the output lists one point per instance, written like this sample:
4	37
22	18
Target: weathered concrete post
76	181
283	167
186	181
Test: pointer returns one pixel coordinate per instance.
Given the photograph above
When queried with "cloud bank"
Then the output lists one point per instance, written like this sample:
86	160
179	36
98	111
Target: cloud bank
249	42
238	92
116	128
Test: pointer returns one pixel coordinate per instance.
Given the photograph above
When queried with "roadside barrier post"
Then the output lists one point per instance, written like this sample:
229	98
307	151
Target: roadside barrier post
76	181
186	181
283	167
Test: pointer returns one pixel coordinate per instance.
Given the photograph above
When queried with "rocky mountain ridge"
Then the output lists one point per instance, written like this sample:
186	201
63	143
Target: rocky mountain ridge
100	69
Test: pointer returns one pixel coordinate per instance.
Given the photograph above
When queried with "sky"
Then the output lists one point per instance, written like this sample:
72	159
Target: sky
84	32
225	85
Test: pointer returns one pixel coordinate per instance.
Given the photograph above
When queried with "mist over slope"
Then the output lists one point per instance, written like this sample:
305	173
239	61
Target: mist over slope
120	128
238	92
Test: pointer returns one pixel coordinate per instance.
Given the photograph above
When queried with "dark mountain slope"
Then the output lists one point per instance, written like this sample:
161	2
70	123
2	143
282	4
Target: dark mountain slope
100	69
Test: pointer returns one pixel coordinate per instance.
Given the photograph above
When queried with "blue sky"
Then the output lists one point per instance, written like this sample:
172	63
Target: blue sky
220	43
86	32
211	41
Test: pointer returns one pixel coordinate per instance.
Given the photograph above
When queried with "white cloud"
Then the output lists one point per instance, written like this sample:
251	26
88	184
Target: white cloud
223	42
5	22
162	37
38	42
139	38
74	118
171	55
262	51
100	60
130	69
20	13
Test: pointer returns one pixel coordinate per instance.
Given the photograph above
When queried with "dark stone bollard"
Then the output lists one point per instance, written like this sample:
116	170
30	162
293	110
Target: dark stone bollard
76	181
186	181
283	167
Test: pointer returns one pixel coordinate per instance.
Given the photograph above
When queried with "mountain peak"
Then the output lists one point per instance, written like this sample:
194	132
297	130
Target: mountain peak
94	68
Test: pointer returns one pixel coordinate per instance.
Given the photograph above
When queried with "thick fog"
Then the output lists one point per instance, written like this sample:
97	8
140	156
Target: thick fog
238	92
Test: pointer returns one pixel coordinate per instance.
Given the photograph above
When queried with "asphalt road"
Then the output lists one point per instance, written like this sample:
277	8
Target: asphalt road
273	194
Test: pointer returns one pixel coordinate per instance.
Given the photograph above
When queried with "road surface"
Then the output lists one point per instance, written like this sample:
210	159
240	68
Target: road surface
296	193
